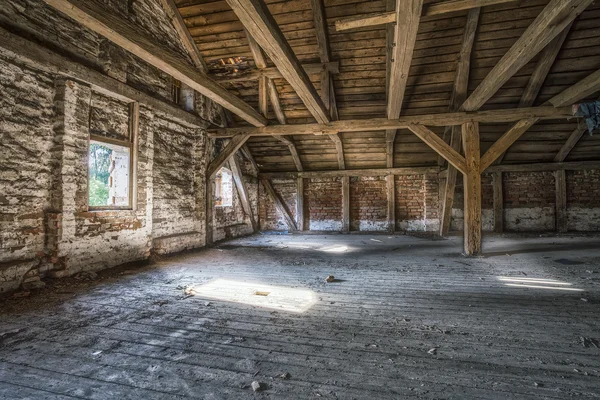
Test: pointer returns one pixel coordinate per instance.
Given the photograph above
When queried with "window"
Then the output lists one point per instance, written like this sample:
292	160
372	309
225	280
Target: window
111	157
175	91
109	184
224	188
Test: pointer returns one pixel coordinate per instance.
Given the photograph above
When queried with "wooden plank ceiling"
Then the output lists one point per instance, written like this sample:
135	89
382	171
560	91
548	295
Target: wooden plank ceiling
360	85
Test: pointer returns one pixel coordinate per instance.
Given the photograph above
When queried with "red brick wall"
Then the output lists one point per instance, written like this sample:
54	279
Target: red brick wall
410	197
583	188
528	189
323	202
270	218
368	203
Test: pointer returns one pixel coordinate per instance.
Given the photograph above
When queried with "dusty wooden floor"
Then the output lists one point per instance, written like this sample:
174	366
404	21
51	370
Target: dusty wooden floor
408	317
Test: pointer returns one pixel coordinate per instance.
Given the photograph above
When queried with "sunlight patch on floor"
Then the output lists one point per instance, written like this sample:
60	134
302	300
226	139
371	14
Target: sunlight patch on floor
258	295
537	283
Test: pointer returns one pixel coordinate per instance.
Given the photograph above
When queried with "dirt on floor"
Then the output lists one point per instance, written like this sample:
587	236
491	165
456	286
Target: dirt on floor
317	316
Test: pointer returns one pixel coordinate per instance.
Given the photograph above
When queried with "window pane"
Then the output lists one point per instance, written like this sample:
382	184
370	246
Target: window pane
224	188
109	174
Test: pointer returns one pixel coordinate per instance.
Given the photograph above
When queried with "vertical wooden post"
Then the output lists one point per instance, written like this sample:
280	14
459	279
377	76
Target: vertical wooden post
300	204
472	184
210	204
391	203
561	200
448	199
263	95
498	203
346	204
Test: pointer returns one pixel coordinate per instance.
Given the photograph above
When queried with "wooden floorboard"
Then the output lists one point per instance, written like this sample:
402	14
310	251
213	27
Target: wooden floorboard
409	318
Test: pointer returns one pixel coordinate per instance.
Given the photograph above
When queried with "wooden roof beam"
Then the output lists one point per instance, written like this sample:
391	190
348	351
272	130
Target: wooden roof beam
439	146
459	95
223	157
573	94
383	124
327	88
387	17
553	19
257	19
536	81
408	14
124	34
184	34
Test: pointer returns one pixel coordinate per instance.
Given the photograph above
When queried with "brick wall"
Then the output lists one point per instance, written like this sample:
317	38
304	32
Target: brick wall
323	204
45	225
583	200
417	203
368	204
529	201
270	217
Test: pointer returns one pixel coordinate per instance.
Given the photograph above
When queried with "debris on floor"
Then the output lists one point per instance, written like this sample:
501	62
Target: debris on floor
433	351
256	386
285	375
330	278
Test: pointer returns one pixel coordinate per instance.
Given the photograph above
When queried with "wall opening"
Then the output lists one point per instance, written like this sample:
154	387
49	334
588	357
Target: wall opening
224	188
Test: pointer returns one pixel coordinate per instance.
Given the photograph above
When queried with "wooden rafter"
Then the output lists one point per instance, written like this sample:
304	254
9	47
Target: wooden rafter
352	172
580	90
408	14
51	62
440	147
124	34
233	146
459	95
184	34
536	81
571	142
389	16
405	122
327	89
268	91
257	19
553	19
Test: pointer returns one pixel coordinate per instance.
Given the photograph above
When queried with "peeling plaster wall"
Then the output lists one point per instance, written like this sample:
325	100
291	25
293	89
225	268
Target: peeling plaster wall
46	228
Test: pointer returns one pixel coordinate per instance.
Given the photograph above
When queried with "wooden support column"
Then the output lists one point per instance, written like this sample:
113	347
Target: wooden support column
450	187
300	204
391	203
472	184
498	202
561	200
346	204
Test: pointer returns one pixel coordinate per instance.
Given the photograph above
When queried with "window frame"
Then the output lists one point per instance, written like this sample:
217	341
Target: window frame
131	144
219	188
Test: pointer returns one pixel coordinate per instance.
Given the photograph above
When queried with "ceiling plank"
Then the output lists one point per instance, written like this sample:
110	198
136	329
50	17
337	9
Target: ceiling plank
382	124
386	17
184	34
257	19
124	34
553	19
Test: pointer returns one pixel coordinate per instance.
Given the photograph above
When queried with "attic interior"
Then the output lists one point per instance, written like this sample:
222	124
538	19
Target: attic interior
296	199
